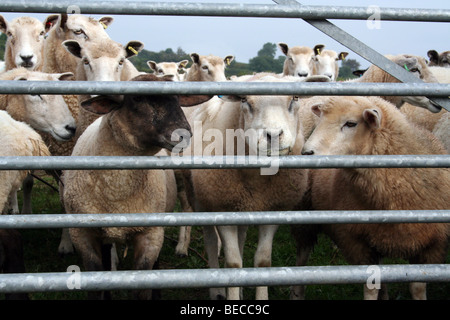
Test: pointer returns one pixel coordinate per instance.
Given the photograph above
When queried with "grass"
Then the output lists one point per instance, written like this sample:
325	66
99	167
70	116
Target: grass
40	254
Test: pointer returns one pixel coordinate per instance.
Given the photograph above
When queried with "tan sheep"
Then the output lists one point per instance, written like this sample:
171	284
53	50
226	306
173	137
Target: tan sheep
207	68
372	126
327	63
176	69
414	64
17	139
130	127
25	43
300	60
439	59
259	125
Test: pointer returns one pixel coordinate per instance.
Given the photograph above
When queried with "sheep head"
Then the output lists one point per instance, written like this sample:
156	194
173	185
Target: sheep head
147	121
25	42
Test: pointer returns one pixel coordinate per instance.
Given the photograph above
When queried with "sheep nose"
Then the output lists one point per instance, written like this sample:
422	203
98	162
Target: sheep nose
70	129
273	134
26	59
303	74
307	152
328	75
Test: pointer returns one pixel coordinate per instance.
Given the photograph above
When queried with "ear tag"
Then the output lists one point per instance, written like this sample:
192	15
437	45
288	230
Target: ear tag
406	67
318	51
132	49
103	25
228	61
342	56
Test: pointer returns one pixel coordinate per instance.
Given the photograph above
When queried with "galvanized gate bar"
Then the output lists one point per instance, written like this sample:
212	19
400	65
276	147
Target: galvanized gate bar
223	88
364	51
220	10
222	162
98	220
213	278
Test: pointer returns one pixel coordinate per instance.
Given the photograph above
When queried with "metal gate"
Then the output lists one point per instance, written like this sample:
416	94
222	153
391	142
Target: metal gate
315	15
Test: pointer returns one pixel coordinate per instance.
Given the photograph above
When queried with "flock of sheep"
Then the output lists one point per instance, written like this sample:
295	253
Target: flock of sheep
66	47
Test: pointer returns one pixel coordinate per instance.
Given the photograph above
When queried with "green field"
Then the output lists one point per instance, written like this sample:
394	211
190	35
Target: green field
40	250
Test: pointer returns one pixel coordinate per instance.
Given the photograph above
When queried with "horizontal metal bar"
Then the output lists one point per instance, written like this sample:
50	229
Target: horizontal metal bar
222	10
98	220
222	88
210	278
222	162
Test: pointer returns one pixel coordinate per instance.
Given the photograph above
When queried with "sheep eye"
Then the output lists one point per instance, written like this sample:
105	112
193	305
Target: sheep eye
42	33
9	34
160	71
121	62
350	124
85	61
205	67
78	32
414	70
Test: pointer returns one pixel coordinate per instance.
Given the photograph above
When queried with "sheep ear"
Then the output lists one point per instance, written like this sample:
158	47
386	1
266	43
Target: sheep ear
342	55
195	58
133	48
318	49
50	21
151	65
434	56
3	24
106	21
283	47
192	100
102	104
73	47
228	60
65	76
183	64
372	117
317	109
231	98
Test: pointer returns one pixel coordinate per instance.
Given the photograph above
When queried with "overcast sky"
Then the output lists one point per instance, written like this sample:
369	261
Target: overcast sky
243	37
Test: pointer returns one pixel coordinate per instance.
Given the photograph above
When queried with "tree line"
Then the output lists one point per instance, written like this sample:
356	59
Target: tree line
264	61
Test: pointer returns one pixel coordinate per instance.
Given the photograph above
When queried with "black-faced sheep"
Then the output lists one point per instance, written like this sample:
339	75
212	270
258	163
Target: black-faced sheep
372	126
133	126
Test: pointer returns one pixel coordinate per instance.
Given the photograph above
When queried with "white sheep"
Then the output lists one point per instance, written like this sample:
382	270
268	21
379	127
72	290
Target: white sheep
439	59
372	126
48	114
132	126
169	68
17	139
300	60
327	63
25	43
264	125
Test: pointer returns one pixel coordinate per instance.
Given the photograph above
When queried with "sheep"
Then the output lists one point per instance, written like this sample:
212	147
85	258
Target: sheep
169	68
207	68
300	60
133	125
2	66
439	59
414	64
17	139
11	258
44	113
271	119
102	60
373	126
25	43
327	63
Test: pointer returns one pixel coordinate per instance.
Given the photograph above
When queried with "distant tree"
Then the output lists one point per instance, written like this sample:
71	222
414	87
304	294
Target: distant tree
265	60
347	68
2	45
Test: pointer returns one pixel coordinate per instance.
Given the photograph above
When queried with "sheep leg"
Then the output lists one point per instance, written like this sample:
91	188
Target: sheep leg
263	255
147	246
305	237
90	249
232	251
65	245
27	187
211	241
184	239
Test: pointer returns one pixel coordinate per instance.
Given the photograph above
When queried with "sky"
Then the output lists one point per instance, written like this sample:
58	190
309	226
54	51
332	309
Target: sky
244	37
